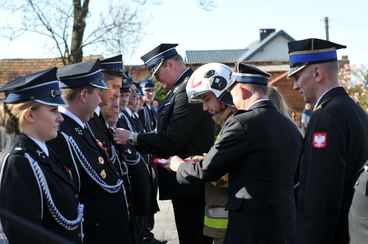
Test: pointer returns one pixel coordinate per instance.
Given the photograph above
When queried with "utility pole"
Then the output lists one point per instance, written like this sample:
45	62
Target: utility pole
327	29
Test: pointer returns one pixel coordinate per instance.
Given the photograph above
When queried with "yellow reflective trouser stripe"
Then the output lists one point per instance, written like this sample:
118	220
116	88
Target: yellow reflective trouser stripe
215	223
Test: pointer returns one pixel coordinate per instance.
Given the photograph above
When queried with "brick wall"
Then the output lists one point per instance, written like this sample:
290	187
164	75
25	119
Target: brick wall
13	68
285	87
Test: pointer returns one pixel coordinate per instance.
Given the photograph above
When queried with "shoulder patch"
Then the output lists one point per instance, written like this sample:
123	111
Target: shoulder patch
319	140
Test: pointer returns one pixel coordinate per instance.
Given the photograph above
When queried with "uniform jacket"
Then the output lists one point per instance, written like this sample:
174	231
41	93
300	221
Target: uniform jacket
335	148
260	149
358	214
21	194
147	118
183	129
104	136
106	215
143	193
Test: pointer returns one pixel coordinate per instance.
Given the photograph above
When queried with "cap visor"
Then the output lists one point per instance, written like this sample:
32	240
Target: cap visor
100	84
52	101
156	67
292	71
126	90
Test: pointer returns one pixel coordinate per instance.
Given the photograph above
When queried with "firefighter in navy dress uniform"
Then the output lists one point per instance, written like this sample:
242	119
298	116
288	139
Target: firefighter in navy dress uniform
335	145
140	171
146	115
112	69
182	129
102	188
33	185
260	148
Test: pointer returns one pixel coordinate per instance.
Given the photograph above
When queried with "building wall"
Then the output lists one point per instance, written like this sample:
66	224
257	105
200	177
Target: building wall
293	98
276	50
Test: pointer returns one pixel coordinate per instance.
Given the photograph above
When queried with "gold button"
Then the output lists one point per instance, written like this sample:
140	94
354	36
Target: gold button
103	174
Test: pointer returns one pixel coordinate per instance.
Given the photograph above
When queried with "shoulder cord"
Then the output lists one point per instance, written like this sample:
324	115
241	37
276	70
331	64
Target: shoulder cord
2	234
94	176
122	165
91	172
147	118
127	121
59	218
114	155
73	159
38	183
133	161
145	164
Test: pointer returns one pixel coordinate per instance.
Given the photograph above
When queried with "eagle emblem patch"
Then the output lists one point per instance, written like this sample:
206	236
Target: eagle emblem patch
319	140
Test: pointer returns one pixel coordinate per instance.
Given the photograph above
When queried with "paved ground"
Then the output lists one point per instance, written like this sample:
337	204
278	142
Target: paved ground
165	228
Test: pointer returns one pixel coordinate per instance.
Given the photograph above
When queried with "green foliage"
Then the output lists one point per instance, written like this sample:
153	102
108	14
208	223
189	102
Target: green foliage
160	92
354	79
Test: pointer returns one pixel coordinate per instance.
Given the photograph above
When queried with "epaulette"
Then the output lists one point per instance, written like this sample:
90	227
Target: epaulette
322	104
19	150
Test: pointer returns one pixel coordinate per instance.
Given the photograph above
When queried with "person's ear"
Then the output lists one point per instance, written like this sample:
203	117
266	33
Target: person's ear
317	73
29	116
245	93
83	95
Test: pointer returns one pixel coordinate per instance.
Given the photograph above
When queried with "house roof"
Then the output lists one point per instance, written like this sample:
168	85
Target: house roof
207	56
232	55
256	46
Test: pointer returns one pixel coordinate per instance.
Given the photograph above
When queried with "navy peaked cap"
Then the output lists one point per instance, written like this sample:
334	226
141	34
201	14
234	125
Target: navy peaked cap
311	51
154	58
125	87
248	73
127	78
139	90
82	74
113	65
42	87
147	83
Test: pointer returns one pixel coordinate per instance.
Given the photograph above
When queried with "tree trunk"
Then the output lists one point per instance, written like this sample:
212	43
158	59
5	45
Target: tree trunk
79	25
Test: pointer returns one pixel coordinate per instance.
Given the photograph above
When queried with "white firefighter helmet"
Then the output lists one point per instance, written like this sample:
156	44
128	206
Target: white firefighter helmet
211	77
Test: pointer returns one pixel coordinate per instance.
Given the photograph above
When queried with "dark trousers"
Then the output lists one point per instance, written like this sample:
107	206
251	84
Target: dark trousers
143	226
189	217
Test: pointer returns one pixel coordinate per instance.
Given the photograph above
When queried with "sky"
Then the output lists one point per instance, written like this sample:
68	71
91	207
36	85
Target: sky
232	24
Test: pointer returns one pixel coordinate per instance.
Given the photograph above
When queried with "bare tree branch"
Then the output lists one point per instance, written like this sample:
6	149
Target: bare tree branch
69	25
206	5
